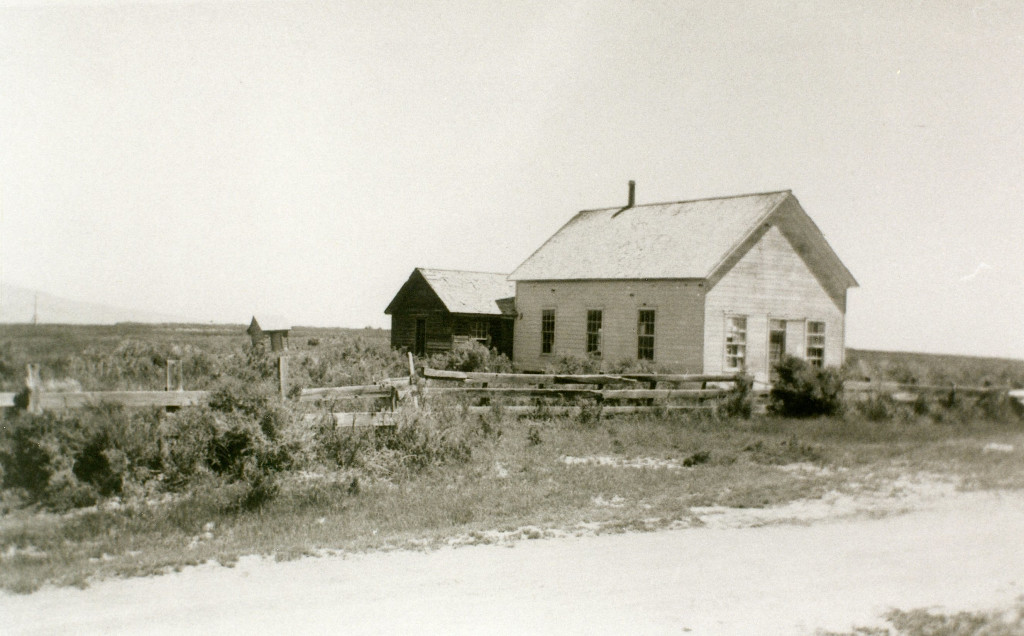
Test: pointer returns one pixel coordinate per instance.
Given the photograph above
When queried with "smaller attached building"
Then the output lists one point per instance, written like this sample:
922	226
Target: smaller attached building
437	309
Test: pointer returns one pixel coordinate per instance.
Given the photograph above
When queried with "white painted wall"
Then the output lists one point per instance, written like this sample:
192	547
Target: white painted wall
770	281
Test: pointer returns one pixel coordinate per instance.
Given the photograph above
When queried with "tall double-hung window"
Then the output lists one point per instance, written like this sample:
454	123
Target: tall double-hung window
645	334
816	343
594	332
547	331
735	343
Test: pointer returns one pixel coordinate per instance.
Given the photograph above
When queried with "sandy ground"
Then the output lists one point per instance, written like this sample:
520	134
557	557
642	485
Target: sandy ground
953	551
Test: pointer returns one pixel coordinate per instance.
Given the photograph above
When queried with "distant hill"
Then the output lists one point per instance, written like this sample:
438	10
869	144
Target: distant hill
17	305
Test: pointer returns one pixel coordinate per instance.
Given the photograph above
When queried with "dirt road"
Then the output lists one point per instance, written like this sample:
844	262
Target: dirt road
964	551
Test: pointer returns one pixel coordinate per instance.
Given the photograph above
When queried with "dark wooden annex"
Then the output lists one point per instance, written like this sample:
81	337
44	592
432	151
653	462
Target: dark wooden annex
437	309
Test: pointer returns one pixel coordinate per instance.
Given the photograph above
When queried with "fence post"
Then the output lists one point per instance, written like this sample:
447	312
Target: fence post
414	385
282	375
174	369
35	387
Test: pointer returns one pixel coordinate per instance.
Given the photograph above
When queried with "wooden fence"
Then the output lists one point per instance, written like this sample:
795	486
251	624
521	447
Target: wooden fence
516	393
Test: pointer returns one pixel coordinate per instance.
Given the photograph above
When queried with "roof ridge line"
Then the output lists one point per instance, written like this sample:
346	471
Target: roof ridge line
729	196
548	240
463	271
754	227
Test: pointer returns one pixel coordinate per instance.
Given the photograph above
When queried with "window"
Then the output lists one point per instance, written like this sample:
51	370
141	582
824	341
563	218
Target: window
776	342
816	343
547	331
594	332
478	329
735	342
645	335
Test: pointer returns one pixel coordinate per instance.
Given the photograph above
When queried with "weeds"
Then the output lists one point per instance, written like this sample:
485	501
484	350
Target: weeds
471	356
739	402
801	390
533	437
923	622
266	477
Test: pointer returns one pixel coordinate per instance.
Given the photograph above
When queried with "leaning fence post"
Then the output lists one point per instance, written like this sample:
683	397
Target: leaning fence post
35	387
413	382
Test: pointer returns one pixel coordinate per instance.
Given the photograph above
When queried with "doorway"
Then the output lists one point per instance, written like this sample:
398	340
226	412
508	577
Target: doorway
776	345
420	346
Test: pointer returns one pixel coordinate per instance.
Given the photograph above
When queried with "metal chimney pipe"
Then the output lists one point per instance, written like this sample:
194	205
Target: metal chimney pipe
632	194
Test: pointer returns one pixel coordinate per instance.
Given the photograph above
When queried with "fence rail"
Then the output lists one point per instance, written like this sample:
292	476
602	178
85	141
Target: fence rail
615	393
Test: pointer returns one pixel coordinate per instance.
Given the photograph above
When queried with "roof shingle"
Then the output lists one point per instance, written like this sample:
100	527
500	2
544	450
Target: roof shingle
686	239
469	292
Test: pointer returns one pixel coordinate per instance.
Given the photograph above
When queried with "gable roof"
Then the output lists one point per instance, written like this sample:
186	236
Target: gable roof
464	292
700	239
685	239
268	322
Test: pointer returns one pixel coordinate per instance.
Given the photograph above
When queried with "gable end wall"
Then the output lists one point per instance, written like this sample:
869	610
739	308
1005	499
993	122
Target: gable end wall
770	281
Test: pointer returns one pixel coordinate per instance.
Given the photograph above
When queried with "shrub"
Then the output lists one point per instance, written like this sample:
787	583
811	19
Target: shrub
997	406
533	437
575	365
65	460
738	403
877	407
346	361
802	390
27	447
471	356
201	442
418	440
255	400
629	365
589	414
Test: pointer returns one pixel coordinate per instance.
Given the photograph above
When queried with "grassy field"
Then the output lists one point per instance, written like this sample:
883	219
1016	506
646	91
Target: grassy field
107	492
133	356
933	369
618	474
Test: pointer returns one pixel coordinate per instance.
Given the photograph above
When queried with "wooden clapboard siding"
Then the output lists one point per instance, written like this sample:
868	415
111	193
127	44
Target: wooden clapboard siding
439	333
678	305
444	329
770	281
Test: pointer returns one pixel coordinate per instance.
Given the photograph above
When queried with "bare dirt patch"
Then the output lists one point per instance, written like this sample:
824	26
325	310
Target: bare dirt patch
789	569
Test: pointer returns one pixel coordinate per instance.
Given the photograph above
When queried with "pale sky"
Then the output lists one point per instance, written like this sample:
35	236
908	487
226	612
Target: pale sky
212	159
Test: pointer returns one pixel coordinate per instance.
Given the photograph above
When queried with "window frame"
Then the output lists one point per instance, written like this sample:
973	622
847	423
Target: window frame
547	337
642	335
815	341
593	342
740	353
480	330
784	331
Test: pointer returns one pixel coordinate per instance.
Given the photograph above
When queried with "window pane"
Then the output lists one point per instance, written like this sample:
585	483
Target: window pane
816	343
645	335
479	329
594	332
547	330
735	342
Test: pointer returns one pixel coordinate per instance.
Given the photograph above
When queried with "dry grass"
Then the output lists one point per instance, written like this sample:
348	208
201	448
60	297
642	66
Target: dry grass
516	477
